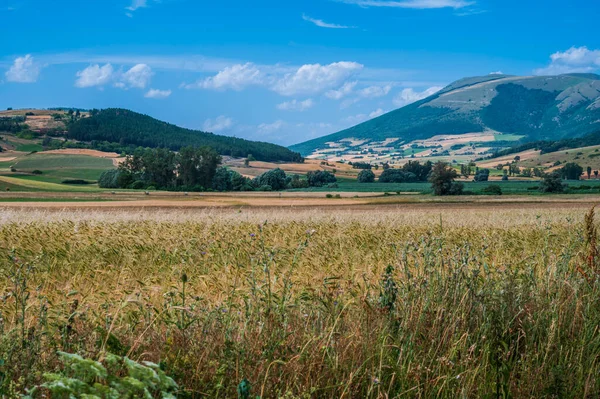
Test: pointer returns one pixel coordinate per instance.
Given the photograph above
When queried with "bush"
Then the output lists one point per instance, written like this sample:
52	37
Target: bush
492	189
328	195
266	187
366	176
116	377
151	188
37	172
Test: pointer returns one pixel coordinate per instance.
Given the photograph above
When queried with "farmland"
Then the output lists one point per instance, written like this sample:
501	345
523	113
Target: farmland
380	301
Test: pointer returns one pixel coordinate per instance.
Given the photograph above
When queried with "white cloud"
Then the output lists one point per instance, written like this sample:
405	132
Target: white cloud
23	70
360	118
323	24
416	4
315	78
575	59
376	113
296	105
409	95
219	124
137	77
269	128
235	77
157	94
375	91
497	73
342	92
135	4
94	75
307	79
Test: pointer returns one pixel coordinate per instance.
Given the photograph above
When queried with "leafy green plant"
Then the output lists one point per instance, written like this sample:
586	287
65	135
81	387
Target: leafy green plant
114	377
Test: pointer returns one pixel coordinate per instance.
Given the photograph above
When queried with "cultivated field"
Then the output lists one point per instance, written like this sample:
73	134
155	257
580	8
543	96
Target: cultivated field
424	301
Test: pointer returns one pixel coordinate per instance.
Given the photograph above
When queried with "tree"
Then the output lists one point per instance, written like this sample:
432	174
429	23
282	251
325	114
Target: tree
571	171
504	175
596	174
442	180
397	176
366	176
421	171
552	183
482	175
589	172
275	179
110	179
197	166
320	178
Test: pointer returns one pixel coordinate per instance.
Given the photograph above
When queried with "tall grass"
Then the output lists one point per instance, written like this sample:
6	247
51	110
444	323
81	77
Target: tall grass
477	304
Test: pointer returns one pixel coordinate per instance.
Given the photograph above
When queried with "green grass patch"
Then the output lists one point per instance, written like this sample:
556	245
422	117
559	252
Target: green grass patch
507	137
29	147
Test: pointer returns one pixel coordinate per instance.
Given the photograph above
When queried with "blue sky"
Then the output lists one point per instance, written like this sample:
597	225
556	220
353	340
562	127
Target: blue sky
275	70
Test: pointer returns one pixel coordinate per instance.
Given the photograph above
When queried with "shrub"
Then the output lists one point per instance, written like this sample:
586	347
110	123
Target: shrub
366	176
37	172
115	377
492	189
266	187
151	188
328	195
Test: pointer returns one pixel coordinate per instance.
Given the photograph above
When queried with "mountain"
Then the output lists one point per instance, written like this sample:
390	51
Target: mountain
131	128
536	107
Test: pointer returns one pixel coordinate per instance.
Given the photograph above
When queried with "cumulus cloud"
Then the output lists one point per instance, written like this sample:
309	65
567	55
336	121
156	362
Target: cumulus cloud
296	105
409	95
219	124
23	70
307	79
94	75
269	128
137	77
157	94
359	118
315	78
235	77
342	92
575	59
376	113
416	4
375	91
322	24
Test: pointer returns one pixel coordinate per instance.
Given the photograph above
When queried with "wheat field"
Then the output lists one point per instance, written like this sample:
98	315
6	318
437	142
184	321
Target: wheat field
387	303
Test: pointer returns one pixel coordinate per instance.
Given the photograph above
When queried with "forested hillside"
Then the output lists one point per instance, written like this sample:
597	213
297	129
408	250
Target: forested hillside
131	128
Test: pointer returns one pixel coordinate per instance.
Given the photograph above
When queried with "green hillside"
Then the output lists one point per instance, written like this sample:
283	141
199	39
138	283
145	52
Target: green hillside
131	128
536	107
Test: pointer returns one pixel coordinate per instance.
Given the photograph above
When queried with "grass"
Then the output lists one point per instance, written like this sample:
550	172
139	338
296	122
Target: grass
507	137
26	183
29	147
499	303
508	187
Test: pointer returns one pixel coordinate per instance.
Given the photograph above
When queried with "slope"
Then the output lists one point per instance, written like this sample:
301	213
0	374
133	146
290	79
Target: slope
131	128
537	107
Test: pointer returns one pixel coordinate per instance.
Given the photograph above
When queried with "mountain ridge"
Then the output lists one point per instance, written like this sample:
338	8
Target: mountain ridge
537	107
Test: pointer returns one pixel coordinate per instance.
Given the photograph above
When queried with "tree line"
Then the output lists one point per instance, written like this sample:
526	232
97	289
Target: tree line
199	169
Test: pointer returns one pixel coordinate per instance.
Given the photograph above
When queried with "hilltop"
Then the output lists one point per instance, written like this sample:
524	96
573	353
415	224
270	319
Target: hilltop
124	128
493	110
